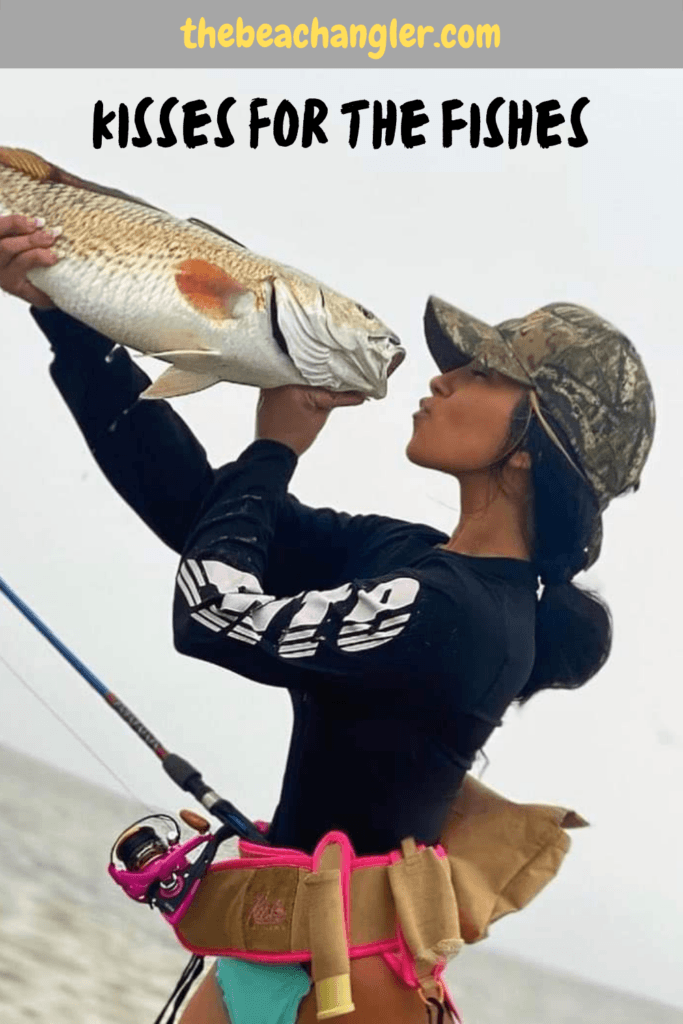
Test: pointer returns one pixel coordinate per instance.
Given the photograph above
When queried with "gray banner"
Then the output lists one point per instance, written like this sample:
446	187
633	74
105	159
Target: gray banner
431	33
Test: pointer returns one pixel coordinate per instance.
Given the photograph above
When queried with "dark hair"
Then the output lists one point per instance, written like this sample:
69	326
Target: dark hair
573	625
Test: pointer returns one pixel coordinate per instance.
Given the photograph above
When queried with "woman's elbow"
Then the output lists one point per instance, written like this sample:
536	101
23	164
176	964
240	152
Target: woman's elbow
184	637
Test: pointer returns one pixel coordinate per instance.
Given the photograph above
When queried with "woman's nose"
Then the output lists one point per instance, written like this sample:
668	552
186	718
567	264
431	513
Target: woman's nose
439	386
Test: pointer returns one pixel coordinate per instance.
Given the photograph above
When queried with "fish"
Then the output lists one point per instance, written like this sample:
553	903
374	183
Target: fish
191	295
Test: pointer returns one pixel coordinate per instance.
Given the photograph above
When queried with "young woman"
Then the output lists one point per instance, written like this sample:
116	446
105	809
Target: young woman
401	647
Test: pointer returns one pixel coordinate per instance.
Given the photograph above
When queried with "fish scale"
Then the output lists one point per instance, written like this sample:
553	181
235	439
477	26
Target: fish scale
190	296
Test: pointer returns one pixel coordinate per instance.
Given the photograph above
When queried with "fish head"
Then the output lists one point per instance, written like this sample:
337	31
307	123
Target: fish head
333	341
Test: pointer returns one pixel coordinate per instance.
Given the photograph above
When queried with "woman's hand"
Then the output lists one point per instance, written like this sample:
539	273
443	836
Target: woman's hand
295	415
24	246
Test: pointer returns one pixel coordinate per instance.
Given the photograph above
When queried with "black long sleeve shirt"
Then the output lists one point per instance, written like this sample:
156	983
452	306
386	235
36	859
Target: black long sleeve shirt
400	657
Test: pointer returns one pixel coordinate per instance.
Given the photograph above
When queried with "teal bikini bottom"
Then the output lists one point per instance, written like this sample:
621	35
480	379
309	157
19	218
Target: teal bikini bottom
261	993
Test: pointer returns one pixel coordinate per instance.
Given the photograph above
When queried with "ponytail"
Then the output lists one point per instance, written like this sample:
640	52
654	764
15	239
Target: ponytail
573	625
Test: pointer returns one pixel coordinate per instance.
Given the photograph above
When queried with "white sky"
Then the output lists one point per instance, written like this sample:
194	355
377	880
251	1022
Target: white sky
498	232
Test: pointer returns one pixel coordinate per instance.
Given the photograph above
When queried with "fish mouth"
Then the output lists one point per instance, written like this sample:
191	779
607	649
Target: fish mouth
396	360
390	339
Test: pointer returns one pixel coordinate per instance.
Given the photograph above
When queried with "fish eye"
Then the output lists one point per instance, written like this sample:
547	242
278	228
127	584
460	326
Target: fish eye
366	312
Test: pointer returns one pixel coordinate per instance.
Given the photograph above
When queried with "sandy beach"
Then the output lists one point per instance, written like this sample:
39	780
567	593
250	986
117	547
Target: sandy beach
75	950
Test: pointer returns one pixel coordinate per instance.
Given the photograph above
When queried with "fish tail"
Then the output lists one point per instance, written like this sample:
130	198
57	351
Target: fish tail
40	170
26	162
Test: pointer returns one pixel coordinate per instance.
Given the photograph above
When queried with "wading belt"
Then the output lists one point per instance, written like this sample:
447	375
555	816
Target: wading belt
416	906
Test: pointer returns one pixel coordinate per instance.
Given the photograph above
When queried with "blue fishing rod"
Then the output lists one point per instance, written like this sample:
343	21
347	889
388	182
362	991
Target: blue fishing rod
177	768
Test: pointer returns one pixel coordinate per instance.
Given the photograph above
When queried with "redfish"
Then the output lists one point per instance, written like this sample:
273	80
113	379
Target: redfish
186	293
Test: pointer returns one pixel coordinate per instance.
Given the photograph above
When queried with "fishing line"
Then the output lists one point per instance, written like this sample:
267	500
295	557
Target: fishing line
73	732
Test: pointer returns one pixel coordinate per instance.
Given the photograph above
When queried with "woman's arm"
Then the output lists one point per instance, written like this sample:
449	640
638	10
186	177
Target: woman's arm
157	465
146	451
368	633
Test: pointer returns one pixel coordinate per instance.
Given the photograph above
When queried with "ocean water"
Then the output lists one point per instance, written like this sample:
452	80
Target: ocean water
75	950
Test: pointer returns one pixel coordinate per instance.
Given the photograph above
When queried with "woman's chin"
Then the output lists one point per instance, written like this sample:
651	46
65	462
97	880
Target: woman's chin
420	455
416	455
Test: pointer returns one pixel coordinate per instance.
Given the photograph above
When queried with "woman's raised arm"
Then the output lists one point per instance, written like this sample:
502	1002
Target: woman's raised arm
146	451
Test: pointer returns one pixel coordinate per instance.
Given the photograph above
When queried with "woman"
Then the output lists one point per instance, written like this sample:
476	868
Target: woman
401	647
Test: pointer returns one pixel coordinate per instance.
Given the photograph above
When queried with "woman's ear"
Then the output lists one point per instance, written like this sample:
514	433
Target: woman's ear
520	460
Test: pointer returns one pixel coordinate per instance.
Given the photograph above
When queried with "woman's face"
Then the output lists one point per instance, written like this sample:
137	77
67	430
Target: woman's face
463	427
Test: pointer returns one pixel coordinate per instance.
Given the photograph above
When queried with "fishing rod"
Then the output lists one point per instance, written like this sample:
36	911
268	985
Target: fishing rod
177	768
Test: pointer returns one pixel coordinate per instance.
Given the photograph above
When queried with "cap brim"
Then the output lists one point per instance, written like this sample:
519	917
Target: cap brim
455	338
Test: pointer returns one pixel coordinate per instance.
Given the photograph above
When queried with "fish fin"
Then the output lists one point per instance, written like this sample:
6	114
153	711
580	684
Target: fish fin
180	355
193	360
34	166
209	289
216	231
174	382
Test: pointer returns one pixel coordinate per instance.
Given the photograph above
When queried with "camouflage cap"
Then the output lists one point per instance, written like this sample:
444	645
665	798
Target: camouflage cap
584	374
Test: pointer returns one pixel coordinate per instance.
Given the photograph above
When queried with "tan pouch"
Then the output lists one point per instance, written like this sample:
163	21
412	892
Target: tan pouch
501	853
330	967
425	903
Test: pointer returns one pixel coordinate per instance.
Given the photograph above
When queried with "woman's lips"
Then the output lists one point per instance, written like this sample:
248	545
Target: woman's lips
423	410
